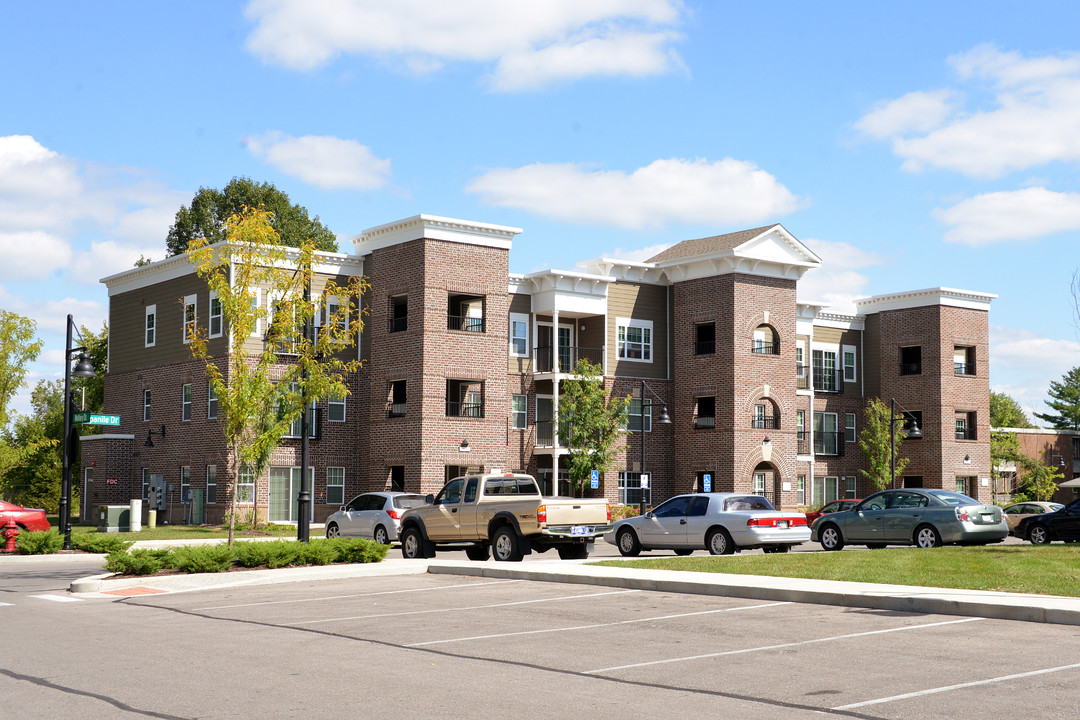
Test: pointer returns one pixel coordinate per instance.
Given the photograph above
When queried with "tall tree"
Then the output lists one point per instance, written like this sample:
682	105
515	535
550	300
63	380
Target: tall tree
1065	401
1006	412
253	386
210	210
1038	482
590	421
33	474
874	441
18	346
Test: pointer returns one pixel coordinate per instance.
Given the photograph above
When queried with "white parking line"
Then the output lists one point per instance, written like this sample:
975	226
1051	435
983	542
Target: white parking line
457	586
459	609
596	625
5	604
57	598
782	645
959	686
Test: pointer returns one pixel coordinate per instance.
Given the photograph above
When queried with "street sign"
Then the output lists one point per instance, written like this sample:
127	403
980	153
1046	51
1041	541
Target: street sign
706	481
594	479
644	481
87	418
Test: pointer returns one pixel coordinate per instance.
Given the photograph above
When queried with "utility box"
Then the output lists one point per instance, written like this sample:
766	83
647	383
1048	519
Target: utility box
156	492
198	506
114	518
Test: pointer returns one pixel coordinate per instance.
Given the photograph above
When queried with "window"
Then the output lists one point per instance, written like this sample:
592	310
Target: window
849	363
800	366
519	411
337	313
335	410
211	402
634	417
211	483
965	425
245	486
850	487
335	485
190	316
911	360
634	339
763	418
464	398
399	313
185	404
765	341
630	490
151	325
396	404
254	298
519	335
706	413
185	483
800	490
826	375
466	313
825	435
294	428
145	405
284	332
825	490
397	478
215	316
802	438
849	427
964	360
759	483
146	483
705	338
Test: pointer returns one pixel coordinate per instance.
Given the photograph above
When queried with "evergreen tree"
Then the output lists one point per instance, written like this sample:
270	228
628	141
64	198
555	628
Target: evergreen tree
1065	402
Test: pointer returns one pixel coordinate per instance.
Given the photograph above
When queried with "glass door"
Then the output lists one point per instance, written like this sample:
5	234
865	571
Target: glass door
284	489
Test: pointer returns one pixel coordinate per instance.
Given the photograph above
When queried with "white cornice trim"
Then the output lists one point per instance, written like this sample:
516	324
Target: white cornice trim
434	227
952	297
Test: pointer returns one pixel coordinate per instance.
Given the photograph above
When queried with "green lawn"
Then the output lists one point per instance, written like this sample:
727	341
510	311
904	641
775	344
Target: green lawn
1044	570
181	532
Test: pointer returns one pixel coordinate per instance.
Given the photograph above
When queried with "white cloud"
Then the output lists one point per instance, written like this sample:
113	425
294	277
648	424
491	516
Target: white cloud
1022	365
108	257
32	255
639	255
1030	122
726	192
530	43
837	282
322	161
1017	215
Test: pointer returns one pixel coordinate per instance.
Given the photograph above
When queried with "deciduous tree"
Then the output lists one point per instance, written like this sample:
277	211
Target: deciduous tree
1006	412
874	441
18	346
590	421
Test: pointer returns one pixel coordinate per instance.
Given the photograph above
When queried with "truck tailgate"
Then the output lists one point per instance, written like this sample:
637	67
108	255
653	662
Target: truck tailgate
576	511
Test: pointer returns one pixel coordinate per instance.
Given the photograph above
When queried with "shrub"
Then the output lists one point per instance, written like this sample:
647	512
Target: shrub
99	543
621	512
255	554
317	552
283	553
357	550
45	542
139	562
203	558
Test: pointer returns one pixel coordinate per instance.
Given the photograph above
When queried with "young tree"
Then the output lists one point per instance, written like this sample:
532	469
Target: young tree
874	441
1065	402
1004	448
1006	412
1038	482
18	347
210	210
253	386
590	421
32	473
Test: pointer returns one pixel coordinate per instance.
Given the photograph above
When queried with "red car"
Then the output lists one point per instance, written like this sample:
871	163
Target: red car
28	519
831	507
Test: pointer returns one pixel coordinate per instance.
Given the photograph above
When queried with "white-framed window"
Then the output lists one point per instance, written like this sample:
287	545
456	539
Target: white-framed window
185	403
519	411
335	410
216	322
759	483
800	359
190	316
335	486
146	483
825	490
849	363
211	483
634	339
634	417
850	487
185	483
337	314
255	326
849	427
519	335
245	486
151	326
294	428
800	490
211	402
146	405
630	490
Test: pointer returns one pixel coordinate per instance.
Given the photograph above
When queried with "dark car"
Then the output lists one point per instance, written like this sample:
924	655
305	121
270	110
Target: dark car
1063	524
831	507
27	519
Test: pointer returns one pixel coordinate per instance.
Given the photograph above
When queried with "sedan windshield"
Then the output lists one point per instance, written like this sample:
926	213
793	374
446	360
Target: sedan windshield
747	502
953	498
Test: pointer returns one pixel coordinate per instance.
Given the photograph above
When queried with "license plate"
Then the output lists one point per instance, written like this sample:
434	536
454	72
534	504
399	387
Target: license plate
782	524
988	517
579	530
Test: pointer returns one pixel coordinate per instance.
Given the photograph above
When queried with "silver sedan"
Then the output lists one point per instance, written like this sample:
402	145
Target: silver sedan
375	516
721	523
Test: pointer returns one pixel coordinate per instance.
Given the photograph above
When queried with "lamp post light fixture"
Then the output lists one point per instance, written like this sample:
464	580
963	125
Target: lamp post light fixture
150	436
912	432
83	369
662	420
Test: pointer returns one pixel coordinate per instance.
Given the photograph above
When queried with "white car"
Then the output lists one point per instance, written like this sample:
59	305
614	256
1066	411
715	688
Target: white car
375	516
721	523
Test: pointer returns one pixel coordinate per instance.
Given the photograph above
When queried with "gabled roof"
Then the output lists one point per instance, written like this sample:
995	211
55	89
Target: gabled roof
709	245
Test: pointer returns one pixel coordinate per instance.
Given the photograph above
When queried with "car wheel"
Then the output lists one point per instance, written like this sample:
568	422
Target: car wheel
927	536
831	538
504	546
381	536
1039	535
628	543
412	544
718	542
333	531
573	552
479	553
683	552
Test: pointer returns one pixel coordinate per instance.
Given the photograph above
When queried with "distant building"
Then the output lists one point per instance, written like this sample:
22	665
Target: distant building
1059	449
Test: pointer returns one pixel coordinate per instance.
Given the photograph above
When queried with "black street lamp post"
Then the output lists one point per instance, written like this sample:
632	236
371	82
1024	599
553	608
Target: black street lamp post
662	420
912	432
82	369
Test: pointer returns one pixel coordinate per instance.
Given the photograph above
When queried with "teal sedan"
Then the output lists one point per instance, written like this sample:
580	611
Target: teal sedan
921	517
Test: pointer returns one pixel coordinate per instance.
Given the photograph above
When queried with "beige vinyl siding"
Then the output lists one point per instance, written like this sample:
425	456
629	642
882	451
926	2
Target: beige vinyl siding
638	302
839	337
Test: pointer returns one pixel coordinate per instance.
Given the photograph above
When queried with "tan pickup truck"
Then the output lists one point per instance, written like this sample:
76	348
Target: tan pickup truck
505	515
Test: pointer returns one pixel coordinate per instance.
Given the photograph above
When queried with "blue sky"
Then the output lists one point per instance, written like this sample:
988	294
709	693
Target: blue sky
918	145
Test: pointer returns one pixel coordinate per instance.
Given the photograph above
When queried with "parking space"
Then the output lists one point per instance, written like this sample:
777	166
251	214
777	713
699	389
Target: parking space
771	654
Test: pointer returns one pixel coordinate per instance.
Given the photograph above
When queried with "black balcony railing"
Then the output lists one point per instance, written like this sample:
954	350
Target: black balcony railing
395	409
399	324
766	423
545	433
465	323
455	408
704	422
705	347
828	443
765	348
911	368
802	378
965	434
803	442
563	359
828	382
964	368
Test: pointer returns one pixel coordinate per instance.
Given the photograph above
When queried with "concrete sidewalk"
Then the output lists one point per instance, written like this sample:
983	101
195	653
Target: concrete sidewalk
977	603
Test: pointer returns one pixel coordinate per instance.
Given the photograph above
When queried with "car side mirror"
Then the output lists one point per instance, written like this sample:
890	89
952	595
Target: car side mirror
650	514
342	509
429	499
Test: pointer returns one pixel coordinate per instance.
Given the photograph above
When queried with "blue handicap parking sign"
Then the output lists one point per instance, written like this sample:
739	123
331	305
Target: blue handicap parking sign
594	478
706	483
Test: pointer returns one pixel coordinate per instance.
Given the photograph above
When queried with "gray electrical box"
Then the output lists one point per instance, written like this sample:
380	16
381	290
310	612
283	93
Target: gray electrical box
156	500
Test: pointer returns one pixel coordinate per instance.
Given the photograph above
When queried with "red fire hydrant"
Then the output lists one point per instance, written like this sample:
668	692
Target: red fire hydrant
10	533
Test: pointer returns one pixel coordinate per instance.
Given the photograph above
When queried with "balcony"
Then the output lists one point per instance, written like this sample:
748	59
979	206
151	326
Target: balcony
465	323
395	410
566	358
831	381
766	423
965	434
765	348
911	368
545	433
398	324
803	442
456	408
705	347
963	368
704	422
802	378
828	443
